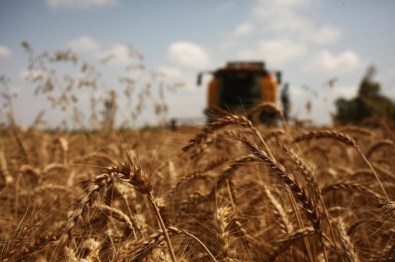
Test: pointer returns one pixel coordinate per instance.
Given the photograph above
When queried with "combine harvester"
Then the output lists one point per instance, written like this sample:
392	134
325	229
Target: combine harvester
240	86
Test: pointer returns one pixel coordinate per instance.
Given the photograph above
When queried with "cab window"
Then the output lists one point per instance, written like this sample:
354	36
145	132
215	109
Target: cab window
239	90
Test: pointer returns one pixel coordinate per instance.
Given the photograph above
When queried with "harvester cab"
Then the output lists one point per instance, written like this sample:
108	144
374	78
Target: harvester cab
240	86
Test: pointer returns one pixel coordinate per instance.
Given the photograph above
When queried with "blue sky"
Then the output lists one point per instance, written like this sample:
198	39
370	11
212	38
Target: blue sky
309	41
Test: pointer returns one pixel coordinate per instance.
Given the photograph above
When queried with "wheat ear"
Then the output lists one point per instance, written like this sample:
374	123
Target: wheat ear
346	140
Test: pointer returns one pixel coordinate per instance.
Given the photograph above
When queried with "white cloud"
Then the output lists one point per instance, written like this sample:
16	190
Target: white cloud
79	4
325	61
171	72
114	53
326	35
243	29
282	49
188	54
120	54
84	44
286	33
281	15
4	51
275	51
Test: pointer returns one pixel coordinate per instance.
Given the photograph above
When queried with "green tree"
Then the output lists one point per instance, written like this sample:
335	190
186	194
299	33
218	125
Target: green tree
369	106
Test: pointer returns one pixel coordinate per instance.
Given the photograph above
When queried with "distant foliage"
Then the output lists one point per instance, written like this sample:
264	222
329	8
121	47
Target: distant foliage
369	107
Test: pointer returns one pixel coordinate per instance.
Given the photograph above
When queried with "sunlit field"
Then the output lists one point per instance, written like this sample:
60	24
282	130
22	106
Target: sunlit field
230	191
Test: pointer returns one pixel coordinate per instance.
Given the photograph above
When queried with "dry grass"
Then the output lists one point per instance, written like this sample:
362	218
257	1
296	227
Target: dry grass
231	191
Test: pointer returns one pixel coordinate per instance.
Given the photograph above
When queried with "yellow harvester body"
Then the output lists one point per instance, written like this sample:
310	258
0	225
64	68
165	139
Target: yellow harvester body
240	86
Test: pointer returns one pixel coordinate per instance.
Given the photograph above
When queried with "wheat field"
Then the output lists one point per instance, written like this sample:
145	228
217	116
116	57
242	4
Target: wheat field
229	191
